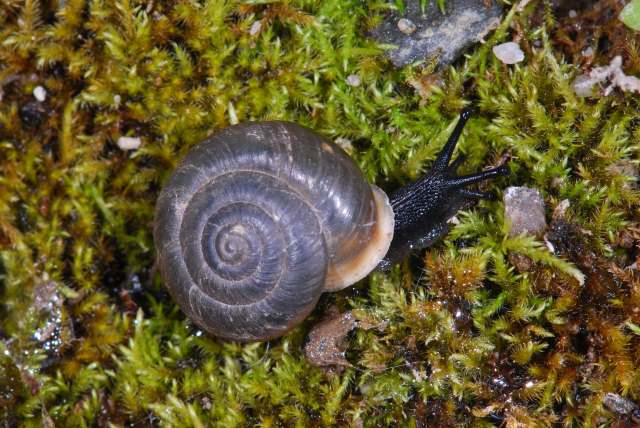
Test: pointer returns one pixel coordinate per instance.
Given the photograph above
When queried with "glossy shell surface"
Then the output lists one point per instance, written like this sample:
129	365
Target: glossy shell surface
257	221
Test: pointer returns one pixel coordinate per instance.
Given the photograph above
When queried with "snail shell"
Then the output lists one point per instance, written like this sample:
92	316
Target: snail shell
260	219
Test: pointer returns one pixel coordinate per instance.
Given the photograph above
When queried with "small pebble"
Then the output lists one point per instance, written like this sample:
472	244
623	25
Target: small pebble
206	403
618	404
561	209
588	52
40	93
522	263
557	182
508	53
325	344
406	26
129	143
255	28
524	210
353	80
344	143
573	14
117	100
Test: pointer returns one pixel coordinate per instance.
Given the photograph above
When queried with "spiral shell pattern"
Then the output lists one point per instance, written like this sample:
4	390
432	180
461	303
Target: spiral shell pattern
251	221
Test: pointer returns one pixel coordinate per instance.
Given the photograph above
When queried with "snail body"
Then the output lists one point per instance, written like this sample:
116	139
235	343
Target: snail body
260	219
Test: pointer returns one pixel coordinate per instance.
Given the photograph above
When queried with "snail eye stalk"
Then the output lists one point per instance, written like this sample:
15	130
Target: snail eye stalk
442	162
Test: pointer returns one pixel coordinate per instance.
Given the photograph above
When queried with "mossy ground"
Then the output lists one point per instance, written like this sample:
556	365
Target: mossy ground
485	330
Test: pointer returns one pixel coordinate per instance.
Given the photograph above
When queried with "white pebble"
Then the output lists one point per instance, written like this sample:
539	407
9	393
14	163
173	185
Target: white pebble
40	93
353	80
454	220
129	143
344	143
117	99
508	53
588	52
573	14
255	28
406	26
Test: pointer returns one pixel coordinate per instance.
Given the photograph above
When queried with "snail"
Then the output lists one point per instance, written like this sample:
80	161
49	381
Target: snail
261	218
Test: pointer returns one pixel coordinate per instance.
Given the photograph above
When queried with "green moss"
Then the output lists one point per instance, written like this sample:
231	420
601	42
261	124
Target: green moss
477	340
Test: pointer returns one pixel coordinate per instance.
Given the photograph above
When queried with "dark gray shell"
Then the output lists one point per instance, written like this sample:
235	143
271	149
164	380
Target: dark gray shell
253	220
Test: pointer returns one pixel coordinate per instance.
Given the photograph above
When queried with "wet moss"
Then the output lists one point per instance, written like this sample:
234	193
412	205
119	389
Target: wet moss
482	330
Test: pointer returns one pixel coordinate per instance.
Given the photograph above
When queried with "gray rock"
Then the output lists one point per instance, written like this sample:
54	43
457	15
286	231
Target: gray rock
443	35
524	209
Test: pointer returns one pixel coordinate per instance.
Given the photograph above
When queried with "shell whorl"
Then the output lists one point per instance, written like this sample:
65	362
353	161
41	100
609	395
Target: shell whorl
252	223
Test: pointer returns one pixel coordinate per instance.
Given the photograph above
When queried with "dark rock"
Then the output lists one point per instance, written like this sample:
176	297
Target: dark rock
33	114
445	35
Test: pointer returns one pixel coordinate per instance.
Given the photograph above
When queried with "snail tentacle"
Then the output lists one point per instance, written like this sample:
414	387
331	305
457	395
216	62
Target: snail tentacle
460	182
474	194
443	159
